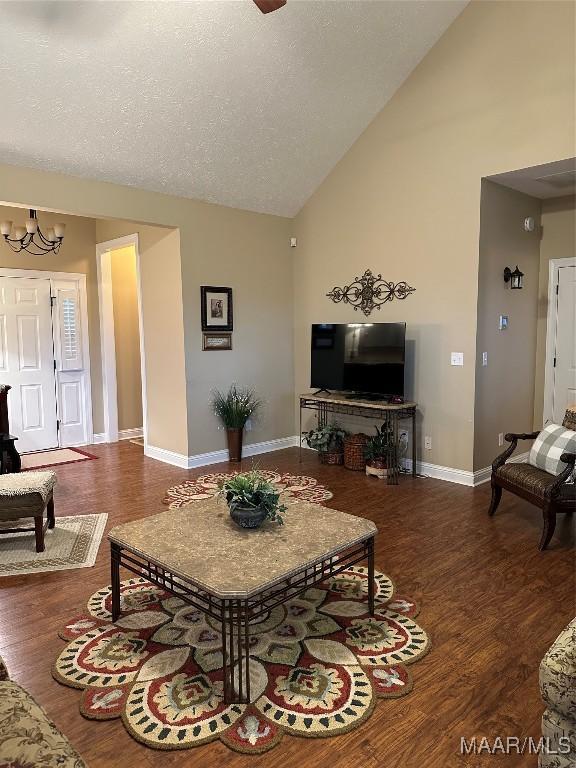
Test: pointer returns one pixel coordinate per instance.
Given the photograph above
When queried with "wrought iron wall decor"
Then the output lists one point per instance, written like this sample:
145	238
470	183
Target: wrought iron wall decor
370	292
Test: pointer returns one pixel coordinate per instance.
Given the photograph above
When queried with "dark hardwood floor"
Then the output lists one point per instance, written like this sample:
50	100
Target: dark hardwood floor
491	603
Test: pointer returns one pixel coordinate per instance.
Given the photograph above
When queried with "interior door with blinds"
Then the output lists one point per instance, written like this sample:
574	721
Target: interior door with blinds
27	361
71	364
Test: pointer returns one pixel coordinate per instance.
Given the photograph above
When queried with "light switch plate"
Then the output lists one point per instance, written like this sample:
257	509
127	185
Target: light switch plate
484	358
503	322
457	358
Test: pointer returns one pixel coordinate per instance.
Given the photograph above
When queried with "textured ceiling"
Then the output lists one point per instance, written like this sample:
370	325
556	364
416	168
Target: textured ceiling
210	99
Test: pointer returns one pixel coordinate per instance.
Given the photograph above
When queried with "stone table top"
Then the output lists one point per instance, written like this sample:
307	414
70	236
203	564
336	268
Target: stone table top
202	545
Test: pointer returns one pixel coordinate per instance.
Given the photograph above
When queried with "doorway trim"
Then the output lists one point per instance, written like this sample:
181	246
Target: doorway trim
80	279
551	322
107	338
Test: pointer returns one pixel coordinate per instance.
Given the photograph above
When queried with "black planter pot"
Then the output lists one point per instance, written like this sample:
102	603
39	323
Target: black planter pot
248	517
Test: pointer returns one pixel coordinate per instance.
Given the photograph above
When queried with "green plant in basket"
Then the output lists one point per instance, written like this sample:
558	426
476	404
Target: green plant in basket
378	446
255	497
328	438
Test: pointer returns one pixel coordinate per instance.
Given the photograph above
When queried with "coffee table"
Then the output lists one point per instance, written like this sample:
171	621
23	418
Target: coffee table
237	576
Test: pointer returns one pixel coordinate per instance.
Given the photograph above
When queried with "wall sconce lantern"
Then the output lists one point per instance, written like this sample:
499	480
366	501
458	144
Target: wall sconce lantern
514	278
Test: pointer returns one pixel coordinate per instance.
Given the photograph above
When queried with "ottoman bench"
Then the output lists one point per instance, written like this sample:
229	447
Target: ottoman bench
28	495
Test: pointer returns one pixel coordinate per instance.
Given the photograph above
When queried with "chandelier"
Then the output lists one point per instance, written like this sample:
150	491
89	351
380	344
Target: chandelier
31	238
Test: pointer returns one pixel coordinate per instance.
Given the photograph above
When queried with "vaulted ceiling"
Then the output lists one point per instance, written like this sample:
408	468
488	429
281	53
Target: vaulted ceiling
207	99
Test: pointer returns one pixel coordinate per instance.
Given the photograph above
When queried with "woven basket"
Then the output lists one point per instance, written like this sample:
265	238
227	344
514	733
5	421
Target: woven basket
354	452
330	457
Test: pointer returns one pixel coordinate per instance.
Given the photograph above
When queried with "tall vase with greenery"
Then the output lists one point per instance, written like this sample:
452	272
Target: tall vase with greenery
234	408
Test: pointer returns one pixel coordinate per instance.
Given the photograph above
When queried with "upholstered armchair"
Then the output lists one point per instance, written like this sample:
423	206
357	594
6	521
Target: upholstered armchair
549	492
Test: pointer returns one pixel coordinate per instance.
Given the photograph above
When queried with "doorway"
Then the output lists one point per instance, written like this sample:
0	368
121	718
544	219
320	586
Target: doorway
122	342
44	358
560	376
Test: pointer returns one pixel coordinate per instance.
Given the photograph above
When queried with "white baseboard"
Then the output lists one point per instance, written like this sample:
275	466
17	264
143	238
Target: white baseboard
123	434
459	476
484	475
217	457
168	457
130	434
438	472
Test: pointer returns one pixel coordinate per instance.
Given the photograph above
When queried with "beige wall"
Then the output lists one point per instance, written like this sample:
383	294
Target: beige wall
405	199
505	387
251	254
160	275
77	254
558	242
126	337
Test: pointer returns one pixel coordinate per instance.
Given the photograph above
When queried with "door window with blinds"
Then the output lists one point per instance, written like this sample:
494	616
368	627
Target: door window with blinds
68	332
71	362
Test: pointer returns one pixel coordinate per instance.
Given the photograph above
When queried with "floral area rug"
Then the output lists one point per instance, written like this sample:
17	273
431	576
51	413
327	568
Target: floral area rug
291	487
318	664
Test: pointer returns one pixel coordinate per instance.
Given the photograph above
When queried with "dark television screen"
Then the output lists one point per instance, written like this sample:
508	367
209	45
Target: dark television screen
359	357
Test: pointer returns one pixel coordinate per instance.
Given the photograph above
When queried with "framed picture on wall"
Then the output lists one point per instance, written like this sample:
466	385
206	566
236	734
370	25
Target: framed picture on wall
215	341
216	308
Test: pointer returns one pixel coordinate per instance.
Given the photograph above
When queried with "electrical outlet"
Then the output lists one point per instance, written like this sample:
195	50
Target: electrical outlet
501	438
484	358
428	443
248	425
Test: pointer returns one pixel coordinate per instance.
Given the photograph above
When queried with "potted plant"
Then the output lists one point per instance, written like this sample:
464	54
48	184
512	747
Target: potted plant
252	499
377	450
328	440
234	409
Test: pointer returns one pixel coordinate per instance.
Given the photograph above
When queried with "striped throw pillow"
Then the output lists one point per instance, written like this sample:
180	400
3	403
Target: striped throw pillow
551	443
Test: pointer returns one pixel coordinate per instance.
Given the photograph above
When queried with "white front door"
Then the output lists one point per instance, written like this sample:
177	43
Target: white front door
27	361
564	387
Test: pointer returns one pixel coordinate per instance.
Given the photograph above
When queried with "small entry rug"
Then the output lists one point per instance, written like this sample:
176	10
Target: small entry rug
292	488
318	664
43	459
73	543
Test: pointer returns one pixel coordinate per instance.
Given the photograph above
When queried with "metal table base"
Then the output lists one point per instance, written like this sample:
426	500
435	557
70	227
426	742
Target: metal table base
235	613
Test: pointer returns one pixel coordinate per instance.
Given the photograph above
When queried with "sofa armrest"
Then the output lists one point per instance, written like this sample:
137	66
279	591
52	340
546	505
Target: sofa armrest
509	436
554	489
512	438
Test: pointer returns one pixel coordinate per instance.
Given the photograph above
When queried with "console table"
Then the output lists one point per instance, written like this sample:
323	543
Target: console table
390	413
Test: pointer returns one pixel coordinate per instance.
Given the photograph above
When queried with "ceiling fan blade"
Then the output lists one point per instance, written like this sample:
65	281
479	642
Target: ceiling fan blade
266	6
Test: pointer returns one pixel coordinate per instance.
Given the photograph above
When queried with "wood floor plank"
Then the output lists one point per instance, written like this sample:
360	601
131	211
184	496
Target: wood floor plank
491	603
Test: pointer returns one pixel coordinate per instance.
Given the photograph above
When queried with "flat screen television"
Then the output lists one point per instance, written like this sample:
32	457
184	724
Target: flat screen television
366	358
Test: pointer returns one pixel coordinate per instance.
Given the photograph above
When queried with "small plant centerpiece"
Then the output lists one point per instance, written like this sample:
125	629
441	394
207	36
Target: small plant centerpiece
234	408
252	499
377	451
328	440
